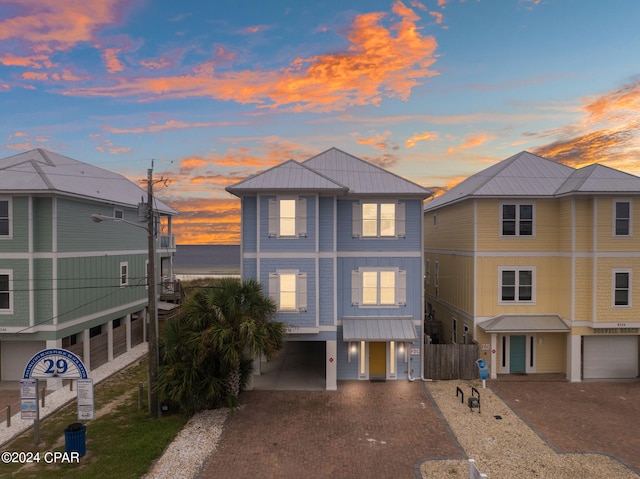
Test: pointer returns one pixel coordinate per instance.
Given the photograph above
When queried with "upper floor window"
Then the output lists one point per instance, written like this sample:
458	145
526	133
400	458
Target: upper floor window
621	287
517	285
378	219
6	304
5	218
118	214
622	218
517	219
124	274
287	217
378	287
288	288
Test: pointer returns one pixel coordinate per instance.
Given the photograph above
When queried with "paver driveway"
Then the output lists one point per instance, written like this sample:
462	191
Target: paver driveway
363	430
599	417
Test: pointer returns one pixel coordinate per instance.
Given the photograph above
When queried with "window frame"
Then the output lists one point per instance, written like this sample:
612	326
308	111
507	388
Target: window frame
615	288
300	290
358	287
518	220
8	218
8	292
123	275
379	218
274	213
362	222
517	285
118	213
614	218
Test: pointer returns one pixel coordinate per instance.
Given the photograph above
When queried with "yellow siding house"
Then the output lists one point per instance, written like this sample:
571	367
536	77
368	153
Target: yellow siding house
539	263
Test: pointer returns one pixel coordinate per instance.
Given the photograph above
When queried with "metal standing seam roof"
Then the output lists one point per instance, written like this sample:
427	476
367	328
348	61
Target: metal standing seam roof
331	171
378	329
44	171
528	175
510	323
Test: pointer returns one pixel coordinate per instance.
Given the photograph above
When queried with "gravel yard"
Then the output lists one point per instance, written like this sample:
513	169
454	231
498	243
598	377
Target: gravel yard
506	447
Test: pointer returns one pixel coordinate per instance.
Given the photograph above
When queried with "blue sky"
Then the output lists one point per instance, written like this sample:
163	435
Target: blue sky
216	91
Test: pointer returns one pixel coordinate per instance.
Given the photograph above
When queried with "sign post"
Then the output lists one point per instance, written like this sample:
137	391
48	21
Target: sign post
48	364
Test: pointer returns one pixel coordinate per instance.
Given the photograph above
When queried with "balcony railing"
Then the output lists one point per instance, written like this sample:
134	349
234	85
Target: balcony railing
168	242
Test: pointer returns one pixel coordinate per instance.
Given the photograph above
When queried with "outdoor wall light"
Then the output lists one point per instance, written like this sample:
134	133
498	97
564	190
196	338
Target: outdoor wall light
401	348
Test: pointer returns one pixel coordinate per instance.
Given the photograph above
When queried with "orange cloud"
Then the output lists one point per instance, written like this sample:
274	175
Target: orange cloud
411	142
39	76
171	125
472	142
437	16
31	61
377	64
254	29
377	141
113	64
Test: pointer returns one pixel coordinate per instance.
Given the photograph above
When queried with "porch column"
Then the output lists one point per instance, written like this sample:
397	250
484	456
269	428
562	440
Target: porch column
127	328
86	349
109	340
494	356
332	365
574	359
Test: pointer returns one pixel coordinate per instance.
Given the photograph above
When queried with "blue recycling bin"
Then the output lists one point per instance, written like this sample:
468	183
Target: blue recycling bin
75	438
483	368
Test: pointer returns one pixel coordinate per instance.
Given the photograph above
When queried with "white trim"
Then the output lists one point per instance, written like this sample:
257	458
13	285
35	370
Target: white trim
396	286
629	272
517	219
11	292
614	218
573	259
475	262
9	201
594	263
517	301
125	275
330	254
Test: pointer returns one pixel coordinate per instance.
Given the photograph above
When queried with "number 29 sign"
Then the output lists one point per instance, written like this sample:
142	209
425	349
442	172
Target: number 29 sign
55	363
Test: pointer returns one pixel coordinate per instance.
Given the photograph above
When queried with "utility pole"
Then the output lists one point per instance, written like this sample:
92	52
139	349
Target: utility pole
154	405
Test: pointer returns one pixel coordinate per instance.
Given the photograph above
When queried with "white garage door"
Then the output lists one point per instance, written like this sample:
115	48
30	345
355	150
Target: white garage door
16	355
609	357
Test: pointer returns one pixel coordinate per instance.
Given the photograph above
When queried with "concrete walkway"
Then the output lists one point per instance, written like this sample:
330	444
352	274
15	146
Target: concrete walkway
61	397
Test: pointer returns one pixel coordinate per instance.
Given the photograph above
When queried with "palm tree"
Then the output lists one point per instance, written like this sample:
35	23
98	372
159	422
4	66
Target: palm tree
221	329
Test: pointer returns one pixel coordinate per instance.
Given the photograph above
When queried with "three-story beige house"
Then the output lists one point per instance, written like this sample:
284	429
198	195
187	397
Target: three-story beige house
539	263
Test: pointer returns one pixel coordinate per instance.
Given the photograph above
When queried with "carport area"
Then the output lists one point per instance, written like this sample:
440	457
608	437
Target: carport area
300	366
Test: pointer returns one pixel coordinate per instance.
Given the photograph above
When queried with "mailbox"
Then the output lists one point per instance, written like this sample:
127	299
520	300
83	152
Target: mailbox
483	368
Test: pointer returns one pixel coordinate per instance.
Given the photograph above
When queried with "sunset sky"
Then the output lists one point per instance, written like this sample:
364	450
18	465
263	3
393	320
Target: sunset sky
215	91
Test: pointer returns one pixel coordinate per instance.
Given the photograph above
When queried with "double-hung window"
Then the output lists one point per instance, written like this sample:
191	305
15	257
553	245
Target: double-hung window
517	219
124	273
378	287
622	218
5	218
6	303
288	289
621	288
373	219
517	285
287	217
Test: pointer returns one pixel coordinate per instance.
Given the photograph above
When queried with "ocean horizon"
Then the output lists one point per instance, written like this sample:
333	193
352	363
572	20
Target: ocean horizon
193	261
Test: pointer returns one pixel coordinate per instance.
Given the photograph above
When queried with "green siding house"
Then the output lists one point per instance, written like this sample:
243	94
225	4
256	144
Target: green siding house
66	281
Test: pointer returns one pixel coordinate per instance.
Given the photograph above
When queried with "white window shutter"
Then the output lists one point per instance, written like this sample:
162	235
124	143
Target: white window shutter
301	217
302	291
402	288
357	220
274	218
400	219
355	287
274	288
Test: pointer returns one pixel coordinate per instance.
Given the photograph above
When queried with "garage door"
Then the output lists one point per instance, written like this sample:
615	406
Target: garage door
609	357
15	356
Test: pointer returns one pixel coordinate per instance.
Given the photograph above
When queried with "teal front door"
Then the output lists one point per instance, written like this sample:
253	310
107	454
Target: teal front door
517	354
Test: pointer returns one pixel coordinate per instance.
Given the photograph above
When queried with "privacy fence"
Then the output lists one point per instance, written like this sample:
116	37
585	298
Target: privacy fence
450	361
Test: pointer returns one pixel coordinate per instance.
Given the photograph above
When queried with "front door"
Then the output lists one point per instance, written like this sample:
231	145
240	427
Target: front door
377	360
517	354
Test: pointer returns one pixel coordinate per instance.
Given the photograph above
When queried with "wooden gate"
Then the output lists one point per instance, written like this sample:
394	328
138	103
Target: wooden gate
450	361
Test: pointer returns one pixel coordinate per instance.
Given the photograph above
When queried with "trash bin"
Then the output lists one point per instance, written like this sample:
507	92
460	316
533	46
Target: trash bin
74	438
482	368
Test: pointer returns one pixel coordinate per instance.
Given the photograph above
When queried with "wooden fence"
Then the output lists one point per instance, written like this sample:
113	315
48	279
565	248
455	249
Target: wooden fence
450	361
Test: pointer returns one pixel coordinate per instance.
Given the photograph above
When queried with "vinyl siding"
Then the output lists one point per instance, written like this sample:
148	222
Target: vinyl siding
584	289
326	291
454	229
456	280
546	231
326	223
91	284
42	291
42	224
249	224
300	244
606	240
20	298
19	242
584	224
550	353
605	312
77	233
552	286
